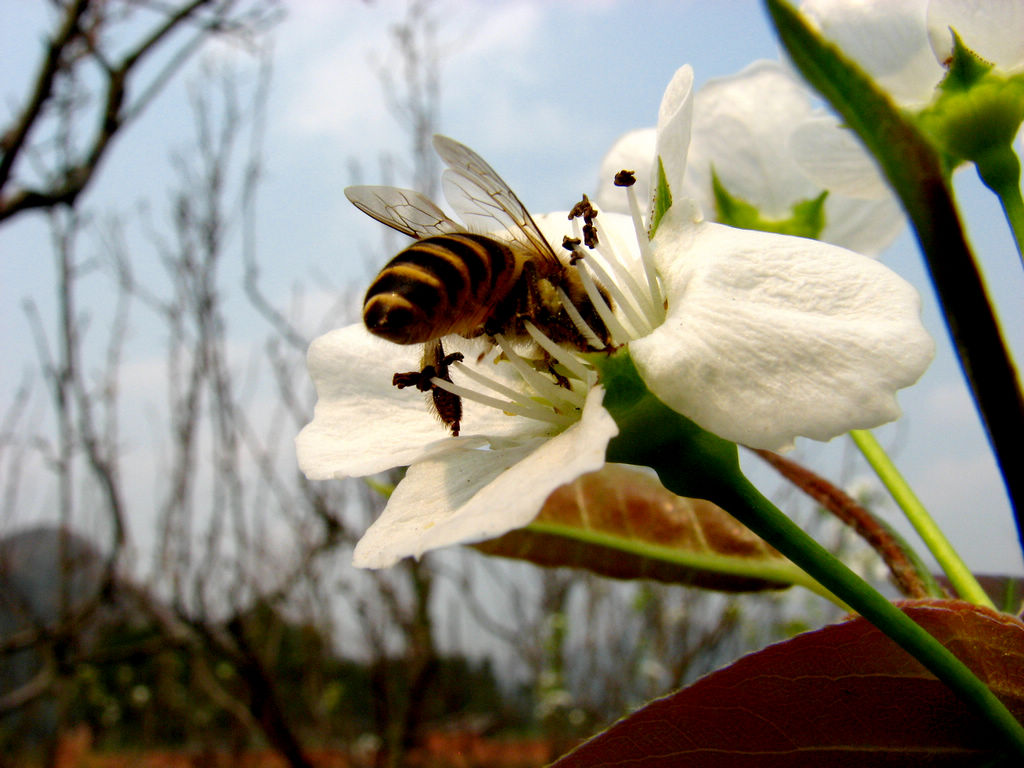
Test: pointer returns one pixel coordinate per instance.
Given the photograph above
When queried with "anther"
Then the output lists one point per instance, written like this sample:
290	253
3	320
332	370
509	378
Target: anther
572	245
646	256
624	178
585	210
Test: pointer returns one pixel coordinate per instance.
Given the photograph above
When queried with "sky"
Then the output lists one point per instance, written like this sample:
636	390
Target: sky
541	90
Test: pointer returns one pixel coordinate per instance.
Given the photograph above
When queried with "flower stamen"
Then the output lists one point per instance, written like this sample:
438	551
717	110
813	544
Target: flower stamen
559	397
618	333
520	406
563	356
641	297
545	401
646	254
577	319
634	315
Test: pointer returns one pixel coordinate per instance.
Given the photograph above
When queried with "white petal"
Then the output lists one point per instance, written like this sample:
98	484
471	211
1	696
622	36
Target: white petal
635	152
770	337
994	29
836	160
769	147
865	226
463	496
362	424
741	128
860	212
888	38
674	120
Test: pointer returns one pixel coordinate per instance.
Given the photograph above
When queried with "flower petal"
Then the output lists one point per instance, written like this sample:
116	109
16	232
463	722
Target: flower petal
770	147
362	424
465	495
835	158
860	212
888	38
769	337
760	132
867	227
741	128
675	116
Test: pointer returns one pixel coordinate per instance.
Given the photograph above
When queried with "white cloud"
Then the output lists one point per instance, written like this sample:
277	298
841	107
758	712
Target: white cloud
502	29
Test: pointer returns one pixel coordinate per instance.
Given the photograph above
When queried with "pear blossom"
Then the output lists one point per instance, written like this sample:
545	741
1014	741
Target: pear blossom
904	44
754	336
759	132
491	479
907	47
765	337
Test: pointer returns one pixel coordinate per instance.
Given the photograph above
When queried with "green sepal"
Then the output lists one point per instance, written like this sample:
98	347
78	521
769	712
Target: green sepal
807	218
965	67
662	200
653	435
978	123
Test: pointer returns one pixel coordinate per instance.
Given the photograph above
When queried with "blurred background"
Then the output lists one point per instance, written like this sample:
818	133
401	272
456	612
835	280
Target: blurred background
173	235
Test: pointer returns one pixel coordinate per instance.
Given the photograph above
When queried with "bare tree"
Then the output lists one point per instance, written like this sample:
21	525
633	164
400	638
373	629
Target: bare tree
49	157
63	128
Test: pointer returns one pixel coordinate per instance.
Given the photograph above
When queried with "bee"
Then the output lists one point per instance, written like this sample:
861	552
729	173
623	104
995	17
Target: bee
485	278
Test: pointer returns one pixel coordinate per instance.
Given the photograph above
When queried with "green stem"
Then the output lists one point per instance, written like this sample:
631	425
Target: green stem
956	570
1013	206
761	516
695	463
1006	186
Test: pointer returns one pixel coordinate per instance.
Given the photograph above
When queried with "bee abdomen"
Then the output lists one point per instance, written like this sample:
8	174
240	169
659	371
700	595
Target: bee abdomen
439	285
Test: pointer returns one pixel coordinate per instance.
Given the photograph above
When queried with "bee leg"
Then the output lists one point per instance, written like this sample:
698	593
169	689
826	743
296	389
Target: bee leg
560	379
446	405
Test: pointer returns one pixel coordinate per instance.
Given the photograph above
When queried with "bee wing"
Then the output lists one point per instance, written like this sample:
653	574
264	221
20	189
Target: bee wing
483	198
403	209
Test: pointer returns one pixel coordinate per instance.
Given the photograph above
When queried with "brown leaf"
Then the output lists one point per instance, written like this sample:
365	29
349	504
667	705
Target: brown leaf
844	695
621	522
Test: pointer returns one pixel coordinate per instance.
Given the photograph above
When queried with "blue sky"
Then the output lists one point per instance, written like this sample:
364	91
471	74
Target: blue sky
540	89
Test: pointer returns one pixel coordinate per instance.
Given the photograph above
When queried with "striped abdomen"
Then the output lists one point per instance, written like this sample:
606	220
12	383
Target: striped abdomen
440	285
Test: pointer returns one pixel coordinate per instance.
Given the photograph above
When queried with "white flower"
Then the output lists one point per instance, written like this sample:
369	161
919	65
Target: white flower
756	337
767	337
761	134
907	46
903	44
490	480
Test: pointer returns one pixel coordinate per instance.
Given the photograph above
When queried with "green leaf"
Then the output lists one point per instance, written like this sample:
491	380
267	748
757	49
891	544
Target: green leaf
844	695
806	220
620	522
